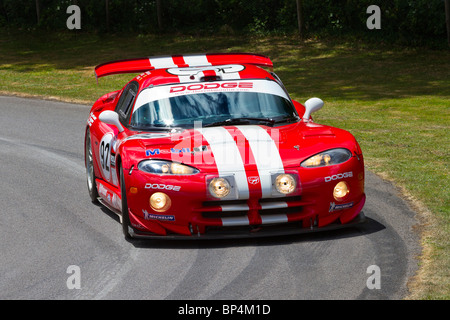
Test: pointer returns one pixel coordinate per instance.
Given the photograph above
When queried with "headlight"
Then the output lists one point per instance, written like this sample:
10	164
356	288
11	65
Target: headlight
166	167
219	187
285	183
327	158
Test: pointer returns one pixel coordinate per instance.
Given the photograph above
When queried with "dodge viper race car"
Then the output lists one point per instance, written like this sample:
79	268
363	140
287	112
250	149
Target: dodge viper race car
212	146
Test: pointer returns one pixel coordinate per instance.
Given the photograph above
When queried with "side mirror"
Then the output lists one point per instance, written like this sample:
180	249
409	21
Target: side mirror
312	105
111	117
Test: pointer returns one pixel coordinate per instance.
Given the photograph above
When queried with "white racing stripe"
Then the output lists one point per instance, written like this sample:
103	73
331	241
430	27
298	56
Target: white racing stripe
162	62
227	157
230	75
266	154
191	61
196	60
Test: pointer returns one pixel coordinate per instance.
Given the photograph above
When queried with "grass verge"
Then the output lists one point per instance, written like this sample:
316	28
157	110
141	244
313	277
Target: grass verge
396	101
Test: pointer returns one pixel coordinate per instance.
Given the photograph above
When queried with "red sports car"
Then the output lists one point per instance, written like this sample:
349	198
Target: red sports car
211	145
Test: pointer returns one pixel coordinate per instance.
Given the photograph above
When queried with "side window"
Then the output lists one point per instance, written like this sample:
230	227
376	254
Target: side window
126	101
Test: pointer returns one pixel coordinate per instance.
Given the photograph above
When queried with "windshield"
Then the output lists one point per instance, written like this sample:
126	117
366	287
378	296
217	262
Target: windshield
211	103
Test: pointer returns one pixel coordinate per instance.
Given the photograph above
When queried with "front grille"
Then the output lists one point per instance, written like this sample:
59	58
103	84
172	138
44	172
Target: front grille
271	210
221	209
280	205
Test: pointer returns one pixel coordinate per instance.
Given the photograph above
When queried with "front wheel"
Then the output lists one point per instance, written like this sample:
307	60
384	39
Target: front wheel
125	217
90	177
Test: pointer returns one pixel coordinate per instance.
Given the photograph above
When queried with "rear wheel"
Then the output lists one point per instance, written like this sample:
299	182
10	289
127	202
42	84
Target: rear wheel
92	186
125	217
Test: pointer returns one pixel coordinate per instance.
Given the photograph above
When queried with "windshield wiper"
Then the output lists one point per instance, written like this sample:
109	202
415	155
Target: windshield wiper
156	128
244	120
287	119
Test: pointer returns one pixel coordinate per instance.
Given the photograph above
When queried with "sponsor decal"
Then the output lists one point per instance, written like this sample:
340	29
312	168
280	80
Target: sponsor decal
137	225
111	197
159	217
232	68
163	92
104	153
182	150
200	149
143	76
113	160
102	190
253	180
339	176
211	86
161	186
152	152
337	207
91	119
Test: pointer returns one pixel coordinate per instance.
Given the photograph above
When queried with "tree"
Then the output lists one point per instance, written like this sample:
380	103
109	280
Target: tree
107	14
38	13
159	14
447	19
300	17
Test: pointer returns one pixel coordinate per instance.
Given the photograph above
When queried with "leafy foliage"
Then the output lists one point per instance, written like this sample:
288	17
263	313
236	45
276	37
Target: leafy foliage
407	21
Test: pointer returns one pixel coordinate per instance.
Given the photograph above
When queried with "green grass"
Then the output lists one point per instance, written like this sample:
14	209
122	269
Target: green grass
396	101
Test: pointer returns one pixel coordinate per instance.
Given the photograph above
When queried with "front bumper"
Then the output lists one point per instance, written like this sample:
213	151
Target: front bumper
243	232
194	215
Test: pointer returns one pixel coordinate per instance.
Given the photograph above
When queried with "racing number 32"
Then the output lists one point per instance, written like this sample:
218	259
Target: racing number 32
104	155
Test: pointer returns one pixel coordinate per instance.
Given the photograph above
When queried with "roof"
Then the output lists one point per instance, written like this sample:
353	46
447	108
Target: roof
201	74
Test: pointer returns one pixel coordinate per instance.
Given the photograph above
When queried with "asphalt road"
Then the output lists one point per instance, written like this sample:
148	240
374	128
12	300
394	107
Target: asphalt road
48	225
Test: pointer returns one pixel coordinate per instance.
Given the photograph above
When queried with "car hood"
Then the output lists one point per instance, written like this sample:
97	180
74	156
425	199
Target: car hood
234	148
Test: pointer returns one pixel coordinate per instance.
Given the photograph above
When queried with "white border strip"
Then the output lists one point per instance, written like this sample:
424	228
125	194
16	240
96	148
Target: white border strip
273	205
274	218
235	221
234	207
148	95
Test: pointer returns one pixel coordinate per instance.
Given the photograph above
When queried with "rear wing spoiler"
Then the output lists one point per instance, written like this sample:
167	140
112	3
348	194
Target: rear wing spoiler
141	65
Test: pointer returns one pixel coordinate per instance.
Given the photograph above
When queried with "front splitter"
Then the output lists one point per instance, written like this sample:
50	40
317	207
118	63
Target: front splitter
252	231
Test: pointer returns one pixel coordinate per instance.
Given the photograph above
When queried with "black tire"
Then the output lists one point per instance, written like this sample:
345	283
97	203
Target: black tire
89	162
125	217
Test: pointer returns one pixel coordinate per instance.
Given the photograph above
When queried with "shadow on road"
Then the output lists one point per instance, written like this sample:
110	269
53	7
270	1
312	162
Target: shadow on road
368	227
